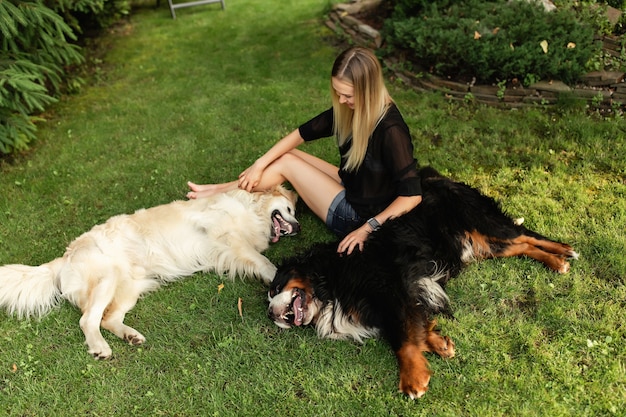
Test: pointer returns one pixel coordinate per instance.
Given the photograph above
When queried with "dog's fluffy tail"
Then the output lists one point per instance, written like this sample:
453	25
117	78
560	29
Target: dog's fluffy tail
30	290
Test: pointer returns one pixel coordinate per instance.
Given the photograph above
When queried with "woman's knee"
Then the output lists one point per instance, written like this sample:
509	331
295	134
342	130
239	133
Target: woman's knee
289	159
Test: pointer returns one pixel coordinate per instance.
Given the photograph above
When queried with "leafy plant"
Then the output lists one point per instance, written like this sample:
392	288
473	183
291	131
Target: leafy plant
85	15
38	47
495	40
34	54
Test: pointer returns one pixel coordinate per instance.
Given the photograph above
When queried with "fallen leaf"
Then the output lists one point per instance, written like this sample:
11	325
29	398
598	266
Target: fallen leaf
544	46
477	35
220	288
14	369
571	45
495	31
239	307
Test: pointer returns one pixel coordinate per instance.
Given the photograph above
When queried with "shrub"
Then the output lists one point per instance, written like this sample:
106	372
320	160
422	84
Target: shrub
38	46
495	40
88	15
35	51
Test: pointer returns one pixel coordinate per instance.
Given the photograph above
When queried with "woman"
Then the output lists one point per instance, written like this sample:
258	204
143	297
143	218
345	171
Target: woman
377	178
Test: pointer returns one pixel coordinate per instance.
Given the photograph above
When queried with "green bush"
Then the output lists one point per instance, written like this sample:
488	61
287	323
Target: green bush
37	48
88	15
35	51
492	41
403	9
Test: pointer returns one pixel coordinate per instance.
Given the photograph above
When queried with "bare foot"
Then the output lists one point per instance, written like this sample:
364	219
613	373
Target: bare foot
207	190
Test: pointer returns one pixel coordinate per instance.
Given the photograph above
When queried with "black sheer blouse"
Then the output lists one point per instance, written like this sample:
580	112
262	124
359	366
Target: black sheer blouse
389	169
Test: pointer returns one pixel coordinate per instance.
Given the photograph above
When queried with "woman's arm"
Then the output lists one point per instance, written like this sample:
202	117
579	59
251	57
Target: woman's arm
398	207
251	177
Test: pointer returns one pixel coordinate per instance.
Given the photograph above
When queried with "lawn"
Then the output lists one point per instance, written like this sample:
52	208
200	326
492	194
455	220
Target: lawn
200	98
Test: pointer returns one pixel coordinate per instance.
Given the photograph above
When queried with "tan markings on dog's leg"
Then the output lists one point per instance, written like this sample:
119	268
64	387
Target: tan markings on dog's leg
414	372
556	248
436	343
113	320
99	297
517	248
479	244
523	246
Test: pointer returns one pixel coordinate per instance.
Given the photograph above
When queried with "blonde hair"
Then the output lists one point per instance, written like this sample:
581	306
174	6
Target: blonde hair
360	68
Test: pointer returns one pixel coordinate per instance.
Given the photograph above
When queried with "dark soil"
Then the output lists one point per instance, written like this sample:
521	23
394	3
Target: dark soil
376	17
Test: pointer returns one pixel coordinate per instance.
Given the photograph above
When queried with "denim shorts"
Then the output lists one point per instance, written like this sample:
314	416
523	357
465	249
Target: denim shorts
341	218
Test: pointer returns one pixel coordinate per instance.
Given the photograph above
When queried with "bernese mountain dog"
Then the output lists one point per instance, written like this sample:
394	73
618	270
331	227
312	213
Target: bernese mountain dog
395	286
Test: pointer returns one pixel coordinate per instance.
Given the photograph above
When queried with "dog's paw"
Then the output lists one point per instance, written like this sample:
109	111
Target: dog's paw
414	372
444	347
564	268
415	386
267	274
101	353
135	339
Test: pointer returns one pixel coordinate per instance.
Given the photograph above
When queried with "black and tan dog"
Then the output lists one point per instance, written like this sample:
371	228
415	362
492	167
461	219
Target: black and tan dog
396	284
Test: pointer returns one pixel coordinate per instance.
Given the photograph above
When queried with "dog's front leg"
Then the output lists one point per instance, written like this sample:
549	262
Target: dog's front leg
255	264
414	372
436	343
405	329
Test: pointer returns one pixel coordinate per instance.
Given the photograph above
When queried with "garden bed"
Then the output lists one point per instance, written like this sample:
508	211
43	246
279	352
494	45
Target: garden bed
361	20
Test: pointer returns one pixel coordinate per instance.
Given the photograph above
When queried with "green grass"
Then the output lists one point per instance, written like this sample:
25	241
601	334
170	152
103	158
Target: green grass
200	98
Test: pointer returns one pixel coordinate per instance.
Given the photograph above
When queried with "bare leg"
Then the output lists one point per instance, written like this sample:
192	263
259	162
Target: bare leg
207	190
316	181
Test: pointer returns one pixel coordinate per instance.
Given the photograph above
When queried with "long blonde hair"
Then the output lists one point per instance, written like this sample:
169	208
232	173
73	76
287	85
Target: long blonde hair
359	67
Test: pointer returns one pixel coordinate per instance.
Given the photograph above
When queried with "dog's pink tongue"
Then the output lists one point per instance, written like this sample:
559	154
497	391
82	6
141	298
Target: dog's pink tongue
297	310
276	236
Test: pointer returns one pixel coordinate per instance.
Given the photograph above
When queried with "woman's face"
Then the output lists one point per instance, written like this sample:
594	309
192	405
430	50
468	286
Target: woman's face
345	92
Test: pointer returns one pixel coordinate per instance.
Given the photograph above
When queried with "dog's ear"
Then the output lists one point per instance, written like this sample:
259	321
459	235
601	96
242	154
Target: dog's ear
290	194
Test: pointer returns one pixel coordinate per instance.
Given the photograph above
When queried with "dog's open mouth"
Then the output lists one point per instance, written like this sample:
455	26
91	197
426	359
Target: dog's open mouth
294	314
281	227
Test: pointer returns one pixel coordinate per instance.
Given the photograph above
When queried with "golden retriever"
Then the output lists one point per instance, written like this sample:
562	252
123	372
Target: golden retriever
105	271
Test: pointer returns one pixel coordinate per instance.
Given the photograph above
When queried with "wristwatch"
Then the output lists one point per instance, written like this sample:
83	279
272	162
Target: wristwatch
373	223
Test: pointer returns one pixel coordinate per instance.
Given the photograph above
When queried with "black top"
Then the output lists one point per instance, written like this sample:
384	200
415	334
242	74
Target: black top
389	169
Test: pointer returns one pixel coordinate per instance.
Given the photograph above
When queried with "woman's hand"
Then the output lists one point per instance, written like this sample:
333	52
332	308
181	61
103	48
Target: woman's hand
354	239
250	178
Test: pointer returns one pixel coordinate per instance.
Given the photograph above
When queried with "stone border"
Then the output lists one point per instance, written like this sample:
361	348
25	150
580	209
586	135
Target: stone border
602	89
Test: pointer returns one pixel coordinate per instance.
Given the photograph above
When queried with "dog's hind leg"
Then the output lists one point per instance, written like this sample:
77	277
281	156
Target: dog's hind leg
552	254
113	318
98	299
557	248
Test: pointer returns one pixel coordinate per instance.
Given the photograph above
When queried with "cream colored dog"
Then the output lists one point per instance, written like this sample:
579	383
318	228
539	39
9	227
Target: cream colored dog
105	271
